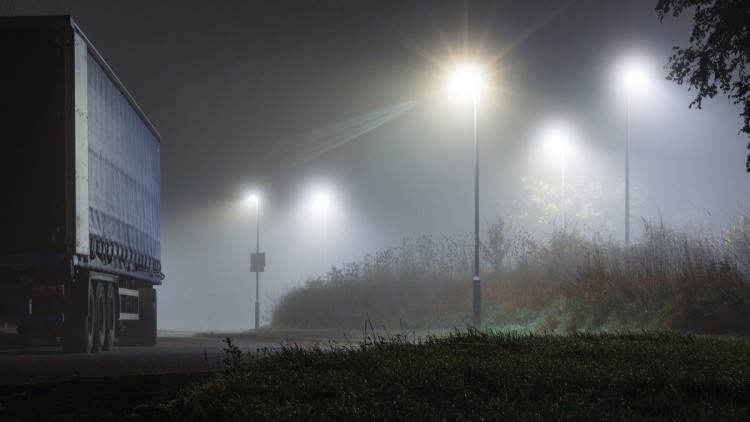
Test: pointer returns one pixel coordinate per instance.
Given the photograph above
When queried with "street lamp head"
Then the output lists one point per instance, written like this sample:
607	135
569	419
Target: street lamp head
558	137
466	81
635	76
253	199
321	200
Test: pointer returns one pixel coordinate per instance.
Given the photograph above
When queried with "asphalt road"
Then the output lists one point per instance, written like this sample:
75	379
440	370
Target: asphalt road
128	383
171	355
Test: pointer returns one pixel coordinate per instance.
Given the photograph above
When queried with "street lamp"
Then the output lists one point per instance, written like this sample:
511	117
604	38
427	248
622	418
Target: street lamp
634	76
467	81
257	260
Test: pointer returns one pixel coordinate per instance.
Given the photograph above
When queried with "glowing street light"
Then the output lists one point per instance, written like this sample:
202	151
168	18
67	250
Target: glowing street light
467	81
257	260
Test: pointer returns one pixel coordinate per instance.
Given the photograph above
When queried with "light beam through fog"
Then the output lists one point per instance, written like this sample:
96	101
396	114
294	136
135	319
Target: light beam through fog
307	146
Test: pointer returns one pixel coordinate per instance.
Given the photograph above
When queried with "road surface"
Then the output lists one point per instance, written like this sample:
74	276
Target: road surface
172	354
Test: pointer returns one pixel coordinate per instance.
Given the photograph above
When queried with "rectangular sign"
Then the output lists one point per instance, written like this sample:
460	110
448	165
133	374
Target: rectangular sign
257	262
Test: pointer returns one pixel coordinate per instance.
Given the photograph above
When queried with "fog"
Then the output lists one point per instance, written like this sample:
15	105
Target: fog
288	98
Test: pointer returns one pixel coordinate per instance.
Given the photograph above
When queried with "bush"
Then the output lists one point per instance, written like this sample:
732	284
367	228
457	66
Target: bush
483	375
675	279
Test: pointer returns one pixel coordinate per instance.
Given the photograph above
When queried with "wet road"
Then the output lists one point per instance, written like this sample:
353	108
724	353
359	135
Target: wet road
173	354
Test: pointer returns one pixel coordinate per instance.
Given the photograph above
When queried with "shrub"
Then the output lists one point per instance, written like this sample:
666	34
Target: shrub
677	279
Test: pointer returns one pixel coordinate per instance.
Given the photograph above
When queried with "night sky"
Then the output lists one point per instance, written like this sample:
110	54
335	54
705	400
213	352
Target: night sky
289	97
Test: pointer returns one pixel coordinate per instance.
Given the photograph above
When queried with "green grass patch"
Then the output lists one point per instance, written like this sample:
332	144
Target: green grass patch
478	375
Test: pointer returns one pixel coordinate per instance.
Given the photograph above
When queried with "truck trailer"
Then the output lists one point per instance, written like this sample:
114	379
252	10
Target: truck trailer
80	244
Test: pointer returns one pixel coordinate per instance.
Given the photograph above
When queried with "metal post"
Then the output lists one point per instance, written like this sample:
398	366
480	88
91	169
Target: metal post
477	288
257	274
562	188
627	168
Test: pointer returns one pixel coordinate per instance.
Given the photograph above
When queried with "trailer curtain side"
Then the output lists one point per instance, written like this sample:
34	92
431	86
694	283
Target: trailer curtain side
123	172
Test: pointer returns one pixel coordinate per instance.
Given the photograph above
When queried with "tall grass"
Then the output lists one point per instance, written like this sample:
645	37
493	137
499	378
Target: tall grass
409	284
675	279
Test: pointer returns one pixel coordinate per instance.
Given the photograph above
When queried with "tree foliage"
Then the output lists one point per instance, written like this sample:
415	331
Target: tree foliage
718	57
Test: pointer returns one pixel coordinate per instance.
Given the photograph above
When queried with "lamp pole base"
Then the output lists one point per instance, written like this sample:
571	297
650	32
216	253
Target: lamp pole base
477	314
257	314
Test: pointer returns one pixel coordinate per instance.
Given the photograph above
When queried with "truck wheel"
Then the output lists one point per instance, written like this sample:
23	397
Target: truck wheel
80	338
110	320
100	317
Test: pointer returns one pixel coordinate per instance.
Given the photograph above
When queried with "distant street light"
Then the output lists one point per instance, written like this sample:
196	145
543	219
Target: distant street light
467	81
257	260
634	76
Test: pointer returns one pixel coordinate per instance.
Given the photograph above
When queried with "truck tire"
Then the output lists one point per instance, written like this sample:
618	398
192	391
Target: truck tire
80	335
110	321
100	316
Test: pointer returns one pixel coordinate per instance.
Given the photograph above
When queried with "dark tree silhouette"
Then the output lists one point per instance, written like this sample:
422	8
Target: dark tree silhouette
718	58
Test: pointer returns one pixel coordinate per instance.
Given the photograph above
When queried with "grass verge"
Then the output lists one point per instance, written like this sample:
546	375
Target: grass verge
476	375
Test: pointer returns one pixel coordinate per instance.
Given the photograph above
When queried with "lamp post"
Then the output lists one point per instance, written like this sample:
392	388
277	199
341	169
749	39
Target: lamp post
477	288
325	227
255	264
562	187
633	75
321	202
627	164
467	81
558	138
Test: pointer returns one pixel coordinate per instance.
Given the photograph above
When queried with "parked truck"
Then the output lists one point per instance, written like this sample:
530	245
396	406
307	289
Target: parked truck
80	246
